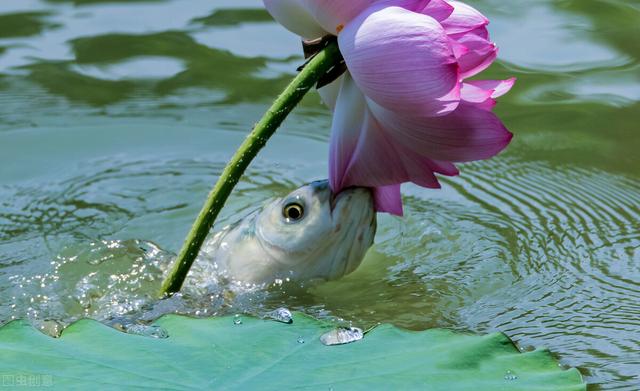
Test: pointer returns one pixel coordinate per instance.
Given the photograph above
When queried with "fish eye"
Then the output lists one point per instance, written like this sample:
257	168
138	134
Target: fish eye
293	211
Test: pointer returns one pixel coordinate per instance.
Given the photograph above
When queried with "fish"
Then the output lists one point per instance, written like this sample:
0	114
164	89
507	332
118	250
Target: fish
310	234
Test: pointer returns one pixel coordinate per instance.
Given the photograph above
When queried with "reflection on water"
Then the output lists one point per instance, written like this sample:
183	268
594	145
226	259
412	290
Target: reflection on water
194	69
148	67
22	24
116	117
235	16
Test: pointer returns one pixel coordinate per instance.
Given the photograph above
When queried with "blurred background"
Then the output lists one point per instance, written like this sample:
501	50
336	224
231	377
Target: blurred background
116	118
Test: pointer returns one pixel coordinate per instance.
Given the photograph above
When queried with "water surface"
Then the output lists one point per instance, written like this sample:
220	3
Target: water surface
116	118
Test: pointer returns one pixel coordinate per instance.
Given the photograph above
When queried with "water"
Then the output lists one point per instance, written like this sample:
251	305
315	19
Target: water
117	117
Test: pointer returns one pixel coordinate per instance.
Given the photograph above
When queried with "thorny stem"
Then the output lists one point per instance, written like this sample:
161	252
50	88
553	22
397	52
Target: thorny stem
321	64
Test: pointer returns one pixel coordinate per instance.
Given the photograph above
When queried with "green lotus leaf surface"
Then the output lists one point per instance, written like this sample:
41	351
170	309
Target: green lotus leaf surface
218	354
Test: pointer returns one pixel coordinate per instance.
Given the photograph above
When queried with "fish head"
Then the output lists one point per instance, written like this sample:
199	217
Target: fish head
314	233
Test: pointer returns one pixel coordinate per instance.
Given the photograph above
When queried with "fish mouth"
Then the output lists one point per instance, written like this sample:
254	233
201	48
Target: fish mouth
335	198
332	201
322	189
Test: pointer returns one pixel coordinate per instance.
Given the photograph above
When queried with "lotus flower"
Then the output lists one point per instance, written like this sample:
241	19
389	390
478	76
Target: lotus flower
403	111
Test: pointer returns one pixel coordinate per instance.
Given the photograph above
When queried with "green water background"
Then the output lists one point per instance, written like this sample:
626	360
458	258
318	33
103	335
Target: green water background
116	117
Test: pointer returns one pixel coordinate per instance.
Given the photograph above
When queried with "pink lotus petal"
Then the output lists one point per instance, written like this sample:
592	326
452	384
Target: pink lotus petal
333	15
458	49
411	5
388	199
479	56
329	93
445	168
487	105
402	60
346	128
497	87
469	133
464	18
481	32
438	9
380	161
475	94
364	154
294	17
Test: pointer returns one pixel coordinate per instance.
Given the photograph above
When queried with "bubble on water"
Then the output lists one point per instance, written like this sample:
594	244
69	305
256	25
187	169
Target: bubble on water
341	336
300	339
281	315
510	375
237	320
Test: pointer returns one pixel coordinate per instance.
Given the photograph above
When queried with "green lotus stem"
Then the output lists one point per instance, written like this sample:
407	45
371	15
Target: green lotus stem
318	66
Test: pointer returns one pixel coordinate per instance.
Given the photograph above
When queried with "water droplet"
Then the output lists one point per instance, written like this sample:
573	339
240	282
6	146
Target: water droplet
341	336
300	339
510	375
237	320
281	315
152	331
